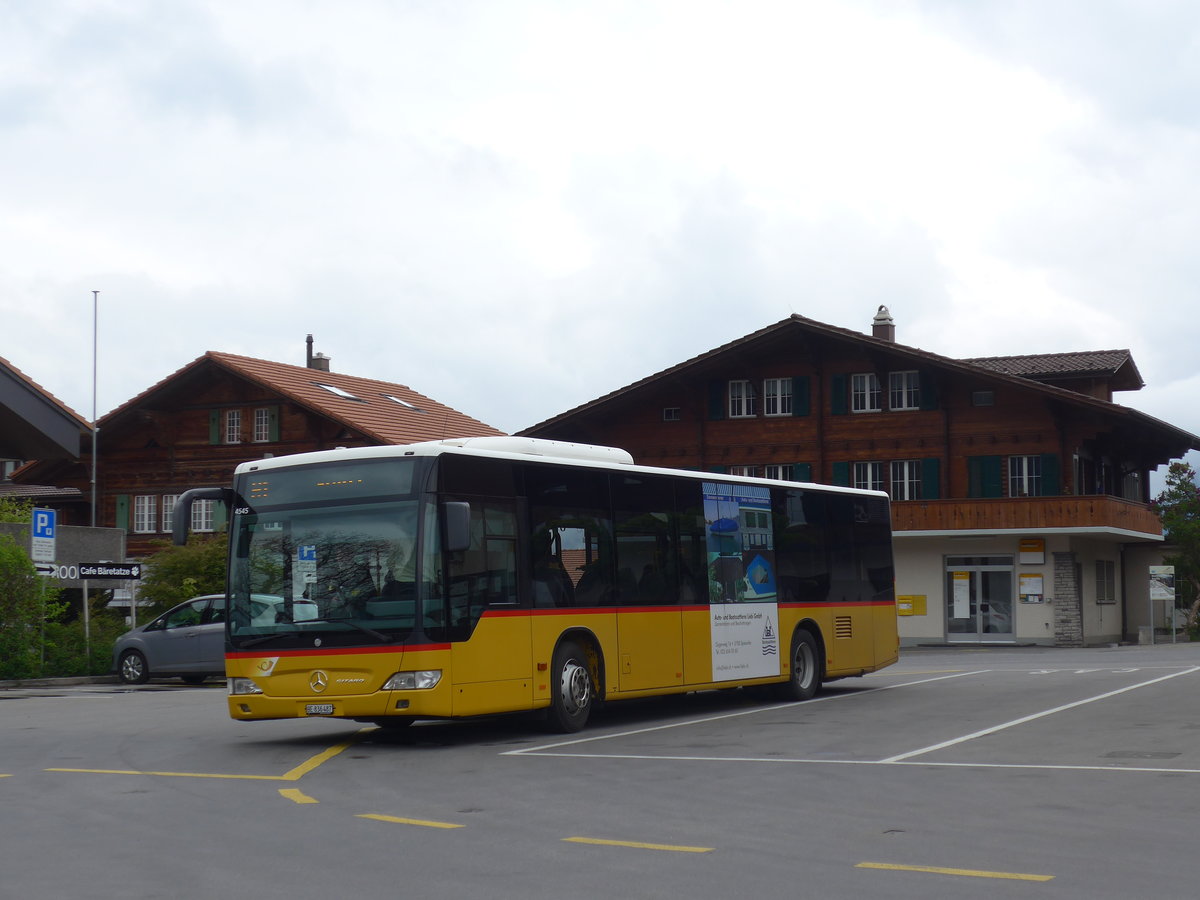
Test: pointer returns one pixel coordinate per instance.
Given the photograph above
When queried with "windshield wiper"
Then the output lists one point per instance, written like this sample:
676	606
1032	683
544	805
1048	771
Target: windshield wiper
378	635
262	639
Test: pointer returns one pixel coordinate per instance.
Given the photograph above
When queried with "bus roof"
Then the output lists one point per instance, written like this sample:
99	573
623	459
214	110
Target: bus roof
522	449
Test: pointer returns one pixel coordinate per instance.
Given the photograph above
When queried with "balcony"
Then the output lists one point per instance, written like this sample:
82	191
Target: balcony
1026	514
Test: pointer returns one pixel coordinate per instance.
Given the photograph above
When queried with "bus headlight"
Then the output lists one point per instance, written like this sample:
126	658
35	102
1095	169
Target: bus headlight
413	681
243	686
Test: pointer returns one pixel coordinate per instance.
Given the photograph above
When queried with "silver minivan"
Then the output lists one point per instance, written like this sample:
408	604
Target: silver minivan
188	640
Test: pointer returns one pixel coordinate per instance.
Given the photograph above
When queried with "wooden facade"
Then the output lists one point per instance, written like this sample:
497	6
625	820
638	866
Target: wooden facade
949	431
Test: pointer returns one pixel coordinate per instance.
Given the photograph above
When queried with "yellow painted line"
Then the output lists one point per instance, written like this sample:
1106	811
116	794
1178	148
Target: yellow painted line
323	757
296	795
638	845
968	873
170	774
424	823
293	775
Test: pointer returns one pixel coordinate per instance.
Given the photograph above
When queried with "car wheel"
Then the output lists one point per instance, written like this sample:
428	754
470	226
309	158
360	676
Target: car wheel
132	668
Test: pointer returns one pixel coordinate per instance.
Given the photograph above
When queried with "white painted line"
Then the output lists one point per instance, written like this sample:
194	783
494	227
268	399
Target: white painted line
535	751
1030	718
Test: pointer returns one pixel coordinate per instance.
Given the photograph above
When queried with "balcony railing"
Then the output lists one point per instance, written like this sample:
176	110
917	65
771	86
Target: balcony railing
1025	513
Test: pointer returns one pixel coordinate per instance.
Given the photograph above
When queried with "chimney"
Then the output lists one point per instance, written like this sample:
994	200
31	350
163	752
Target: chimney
318	361
883	327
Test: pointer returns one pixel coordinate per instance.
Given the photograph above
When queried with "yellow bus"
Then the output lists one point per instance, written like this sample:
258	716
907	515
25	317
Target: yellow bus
490	575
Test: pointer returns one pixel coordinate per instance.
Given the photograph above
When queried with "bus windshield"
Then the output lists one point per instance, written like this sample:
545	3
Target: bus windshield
343	573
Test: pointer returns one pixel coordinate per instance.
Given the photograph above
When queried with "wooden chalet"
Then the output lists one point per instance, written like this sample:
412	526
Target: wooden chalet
1018	486
193	427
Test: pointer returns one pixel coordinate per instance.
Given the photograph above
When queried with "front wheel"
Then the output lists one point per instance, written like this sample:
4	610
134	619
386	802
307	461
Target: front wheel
133	668
805	658
571	689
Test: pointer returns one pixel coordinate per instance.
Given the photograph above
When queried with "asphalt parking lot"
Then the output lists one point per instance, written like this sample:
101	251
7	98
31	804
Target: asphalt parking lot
957	773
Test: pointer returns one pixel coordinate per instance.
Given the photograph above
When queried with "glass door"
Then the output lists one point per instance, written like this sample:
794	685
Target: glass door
979	598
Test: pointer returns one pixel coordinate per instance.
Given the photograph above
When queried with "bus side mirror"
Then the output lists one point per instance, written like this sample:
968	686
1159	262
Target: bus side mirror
181	515
456	526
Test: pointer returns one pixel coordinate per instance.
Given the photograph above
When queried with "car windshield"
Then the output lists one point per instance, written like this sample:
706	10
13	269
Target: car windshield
344	573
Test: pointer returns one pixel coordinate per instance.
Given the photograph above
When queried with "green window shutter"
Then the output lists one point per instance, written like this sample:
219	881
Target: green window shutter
123	512
837	396
273	423
716	400
801	471
929	393
841	474
220	515
801	391
214	426
1051	479
985	476
931	482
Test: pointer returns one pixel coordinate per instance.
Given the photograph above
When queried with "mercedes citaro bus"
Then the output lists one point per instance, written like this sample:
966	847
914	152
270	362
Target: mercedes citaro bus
497	574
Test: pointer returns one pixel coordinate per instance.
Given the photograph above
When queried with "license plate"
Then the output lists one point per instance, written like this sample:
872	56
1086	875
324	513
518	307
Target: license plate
319	709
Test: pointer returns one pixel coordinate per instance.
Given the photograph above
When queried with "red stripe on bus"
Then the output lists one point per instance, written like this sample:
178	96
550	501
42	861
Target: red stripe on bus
335	651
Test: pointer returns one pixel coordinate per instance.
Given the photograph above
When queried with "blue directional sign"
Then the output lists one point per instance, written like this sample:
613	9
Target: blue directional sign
306	552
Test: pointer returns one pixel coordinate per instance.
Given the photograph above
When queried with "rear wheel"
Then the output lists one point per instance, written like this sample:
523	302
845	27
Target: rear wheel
805	678
571	689
132	667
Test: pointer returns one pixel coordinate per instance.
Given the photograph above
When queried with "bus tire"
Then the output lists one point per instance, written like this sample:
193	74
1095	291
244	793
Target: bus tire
805	678
571	690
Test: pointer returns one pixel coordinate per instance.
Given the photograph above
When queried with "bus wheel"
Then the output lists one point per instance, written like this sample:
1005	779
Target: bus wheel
570	689
805	679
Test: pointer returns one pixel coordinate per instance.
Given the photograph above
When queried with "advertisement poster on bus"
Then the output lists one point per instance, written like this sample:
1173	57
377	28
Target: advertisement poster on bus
744	613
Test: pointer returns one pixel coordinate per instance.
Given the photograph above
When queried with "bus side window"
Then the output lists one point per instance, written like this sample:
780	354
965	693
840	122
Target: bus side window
573	506
647	565
801	523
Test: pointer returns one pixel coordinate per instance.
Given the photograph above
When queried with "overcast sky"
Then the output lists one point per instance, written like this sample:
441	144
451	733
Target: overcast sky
516	207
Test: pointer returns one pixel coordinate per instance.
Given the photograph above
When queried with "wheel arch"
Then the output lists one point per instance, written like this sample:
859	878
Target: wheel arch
589	643
811	626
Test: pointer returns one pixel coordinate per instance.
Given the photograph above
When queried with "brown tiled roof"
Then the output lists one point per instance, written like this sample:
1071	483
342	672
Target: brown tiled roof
383	411
38	492
1066	366
1186	441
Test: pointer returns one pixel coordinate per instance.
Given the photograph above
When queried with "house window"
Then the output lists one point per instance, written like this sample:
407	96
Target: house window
904	390
233	426
202	515
744	471
145	513
1024	476
262	425
983	398
741	399
777	396
868	476
865	395
906	479
779	473
671	413
168	511
1106	581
